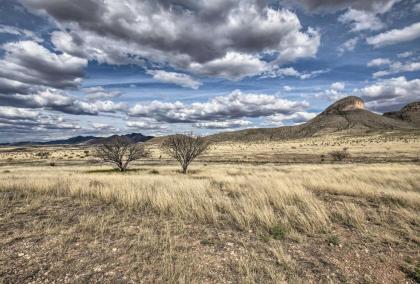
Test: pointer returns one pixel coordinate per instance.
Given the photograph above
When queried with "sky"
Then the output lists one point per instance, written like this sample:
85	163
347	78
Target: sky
157	67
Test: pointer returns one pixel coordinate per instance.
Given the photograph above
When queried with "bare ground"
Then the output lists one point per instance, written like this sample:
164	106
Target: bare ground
58	239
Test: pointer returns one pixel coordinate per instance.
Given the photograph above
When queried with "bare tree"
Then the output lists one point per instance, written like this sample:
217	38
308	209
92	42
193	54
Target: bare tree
120	151
184	148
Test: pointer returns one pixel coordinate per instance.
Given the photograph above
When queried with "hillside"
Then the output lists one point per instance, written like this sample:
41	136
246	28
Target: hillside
347	115
410	113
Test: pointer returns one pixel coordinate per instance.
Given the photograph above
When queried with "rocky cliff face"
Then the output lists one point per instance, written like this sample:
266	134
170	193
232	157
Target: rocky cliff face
410	113
344	105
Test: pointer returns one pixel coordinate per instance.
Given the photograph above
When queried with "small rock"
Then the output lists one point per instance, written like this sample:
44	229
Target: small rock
21	254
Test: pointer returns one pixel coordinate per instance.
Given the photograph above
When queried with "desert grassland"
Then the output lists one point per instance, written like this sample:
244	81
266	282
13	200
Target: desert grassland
373	148
297	217
246	197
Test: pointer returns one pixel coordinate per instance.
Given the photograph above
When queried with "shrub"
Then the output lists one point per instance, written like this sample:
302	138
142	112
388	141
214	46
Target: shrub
52	164
333	240
278	232
339	155
154	172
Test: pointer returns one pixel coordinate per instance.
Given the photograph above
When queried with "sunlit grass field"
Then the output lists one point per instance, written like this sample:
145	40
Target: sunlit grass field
239	215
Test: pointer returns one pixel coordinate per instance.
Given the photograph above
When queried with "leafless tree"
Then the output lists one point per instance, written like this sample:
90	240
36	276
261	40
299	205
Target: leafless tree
184	148
120	151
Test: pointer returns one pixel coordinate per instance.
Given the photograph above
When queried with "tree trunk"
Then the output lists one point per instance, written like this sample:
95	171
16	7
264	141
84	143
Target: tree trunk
184	169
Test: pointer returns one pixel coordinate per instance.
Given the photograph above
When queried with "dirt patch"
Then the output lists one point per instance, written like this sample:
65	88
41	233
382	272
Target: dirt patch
67	240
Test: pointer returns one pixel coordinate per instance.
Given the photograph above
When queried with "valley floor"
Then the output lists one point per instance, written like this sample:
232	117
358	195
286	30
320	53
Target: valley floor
221	223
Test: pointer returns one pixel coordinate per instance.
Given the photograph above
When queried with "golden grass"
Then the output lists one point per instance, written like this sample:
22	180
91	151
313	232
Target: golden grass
245	197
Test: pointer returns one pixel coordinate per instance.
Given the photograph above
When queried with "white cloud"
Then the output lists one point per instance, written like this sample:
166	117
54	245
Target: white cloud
145	124
215	38
376	6
348	45
398	67
405	54
98	92
229	124
180	79
390	94
379	62
361	20
287	88
393	67
19	32
58	100
233	106
338	86
27	62
296	118
292	72
233	66
334	93
395	36
21	113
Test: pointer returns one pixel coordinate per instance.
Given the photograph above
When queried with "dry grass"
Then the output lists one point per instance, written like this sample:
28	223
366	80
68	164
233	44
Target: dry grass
223	222
242	196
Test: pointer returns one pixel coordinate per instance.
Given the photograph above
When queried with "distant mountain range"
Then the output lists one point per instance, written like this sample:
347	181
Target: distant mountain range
347	115
87	140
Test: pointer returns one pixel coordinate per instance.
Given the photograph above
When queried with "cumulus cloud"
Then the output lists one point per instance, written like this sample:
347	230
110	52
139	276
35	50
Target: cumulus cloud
334	92
287	88
390	94
405	54
398	67
378	62
21	113
395	36
393	67
58	100
377	6
296	118
361	20
21	123
348	45
197	36
233	106
98	92
27	62
292	72
23	33
145	124
228	124
179	79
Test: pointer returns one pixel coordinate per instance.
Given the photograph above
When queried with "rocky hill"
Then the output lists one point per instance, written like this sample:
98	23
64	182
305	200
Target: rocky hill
410	113
347	115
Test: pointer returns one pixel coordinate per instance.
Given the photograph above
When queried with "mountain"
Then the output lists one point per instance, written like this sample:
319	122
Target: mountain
80	140
410	113
347	115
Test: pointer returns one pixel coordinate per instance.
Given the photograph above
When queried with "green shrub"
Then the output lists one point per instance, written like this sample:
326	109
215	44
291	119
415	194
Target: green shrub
278	232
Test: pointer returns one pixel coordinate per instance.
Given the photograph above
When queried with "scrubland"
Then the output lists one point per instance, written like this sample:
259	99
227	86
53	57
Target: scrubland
226	221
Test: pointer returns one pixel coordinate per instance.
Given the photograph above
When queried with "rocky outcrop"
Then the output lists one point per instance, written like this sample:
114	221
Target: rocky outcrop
346	104
410	113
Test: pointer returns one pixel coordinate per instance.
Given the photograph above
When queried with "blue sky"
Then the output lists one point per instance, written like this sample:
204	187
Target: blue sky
91	67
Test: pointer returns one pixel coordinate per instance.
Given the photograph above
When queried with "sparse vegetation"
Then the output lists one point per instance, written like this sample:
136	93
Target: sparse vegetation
340	155
184	148
120	152
233	220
